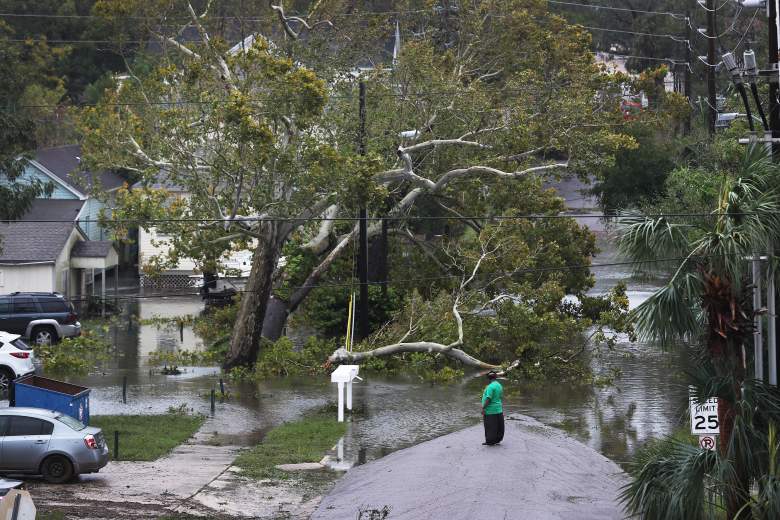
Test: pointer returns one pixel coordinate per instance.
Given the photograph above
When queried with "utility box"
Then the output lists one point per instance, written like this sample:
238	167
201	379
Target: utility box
39	392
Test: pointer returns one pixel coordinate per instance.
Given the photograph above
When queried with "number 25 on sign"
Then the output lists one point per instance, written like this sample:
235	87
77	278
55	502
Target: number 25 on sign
704	416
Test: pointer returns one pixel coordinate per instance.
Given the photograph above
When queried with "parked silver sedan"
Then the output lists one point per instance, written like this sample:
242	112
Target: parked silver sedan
43	442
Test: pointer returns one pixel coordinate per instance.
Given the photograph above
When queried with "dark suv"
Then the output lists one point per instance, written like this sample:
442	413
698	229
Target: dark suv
42	317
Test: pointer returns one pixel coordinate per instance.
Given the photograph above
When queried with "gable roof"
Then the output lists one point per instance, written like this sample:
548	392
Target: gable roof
22	242
92	249
53	209
40	234
63	163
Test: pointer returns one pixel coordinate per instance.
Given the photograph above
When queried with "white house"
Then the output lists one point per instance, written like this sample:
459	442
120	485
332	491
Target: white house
47	251
184	274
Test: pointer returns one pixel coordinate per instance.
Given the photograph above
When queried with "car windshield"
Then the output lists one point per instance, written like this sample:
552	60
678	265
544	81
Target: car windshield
71	422
21	345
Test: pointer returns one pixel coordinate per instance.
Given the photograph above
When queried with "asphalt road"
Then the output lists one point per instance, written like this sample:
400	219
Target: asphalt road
537	473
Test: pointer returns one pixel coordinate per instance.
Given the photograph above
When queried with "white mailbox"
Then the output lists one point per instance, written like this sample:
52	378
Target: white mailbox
345	374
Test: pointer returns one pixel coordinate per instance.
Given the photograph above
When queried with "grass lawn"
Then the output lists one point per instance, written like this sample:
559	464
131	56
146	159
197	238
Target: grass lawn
306	440
147	437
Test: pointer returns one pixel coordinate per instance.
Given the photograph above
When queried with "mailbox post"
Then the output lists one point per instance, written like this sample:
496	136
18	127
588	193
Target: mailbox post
345	375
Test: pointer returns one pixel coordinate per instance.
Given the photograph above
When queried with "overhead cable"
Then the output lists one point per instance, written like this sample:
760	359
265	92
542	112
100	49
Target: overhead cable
677	16
239	220
402	281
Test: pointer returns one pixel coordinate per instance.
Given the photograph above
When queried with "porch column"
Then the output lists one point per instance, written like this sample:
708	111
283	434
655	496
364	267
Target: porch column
103	292
116	286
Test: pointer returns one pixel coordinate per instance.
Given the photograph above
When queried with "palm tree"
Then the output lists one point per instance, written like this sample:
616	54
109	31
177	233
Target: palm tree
706	303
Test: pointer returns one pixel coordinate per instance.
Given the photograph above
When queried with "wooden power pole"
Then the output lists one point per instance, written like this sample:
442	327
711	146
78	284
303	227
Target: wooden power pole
362	314
711	96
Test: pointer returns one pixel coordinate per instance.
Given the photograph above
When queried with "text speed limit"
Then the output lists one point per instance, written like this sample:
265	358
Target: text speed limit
704	416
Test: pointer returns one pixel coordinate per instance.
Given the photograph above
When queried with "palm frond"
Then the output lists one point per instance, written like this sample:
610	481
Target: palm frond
672	312
707	383
669	481
648	240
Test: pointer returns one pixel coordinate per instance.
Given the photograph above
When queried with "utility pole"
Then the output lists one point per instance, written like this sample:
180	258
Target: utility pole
363	328
385	268
774	125
712	100
774	106
688	67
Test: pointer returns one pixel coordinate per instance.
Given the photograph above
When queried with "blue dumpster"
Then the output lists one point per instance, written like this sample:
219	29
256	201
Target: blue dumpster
40	392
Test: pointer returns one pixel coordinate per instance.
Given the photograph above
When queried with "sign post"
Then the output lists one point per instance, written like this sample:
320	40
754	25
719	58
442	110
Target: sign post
704	421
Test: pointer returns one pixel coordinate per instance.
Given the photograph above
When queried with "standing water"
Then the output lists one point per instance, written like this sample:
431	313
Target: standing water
647	401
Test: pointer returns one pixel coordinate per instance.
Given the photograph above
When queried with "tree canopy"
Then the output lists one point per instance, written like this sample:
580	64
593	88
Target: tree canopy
262	136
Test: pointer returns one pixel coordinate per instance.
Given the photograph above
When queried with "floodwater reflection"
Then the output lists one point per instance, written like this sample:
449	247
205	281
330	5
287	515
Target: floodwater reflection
396	412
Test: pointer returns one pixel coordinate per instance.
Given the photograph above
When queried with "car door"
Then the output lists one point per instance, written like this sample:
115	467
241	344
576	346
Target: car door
25	443
5	314
24	311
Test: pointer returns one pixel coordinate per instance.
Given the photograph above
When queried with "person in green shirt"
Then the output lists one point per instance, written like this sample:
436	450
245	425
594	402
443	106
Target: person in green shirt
493	410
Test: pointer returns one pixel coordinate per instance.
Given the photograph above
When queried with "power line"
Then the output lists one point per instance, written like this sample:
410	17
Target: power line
390	218
187	20
374	95
639	33
404	281
408	281
627	56
704	6
678	16
730	29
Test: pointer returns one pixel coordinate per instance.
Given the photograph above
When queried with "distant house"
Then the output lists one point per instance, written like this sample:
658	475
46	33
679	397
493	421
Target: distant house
184	274
46	250
61	167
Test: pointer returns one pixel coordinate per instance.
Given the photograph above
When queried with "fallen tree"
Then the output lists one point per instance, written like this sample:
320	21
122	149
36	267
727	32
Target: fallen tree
497	280
261	137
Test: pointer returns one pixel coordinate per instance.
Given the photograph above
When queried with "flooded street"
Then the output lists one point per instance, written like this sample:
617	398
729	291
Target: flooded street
647	401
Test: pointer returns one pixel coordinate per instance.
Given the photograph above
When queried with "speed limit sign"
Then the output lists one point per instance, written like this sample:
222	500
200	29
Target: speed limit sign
704	416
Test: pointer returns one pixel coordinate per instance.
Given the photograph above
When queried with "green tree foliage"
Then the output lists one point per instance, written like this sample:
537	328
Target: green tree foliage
26	69
461	122
77	65
638	175
706	300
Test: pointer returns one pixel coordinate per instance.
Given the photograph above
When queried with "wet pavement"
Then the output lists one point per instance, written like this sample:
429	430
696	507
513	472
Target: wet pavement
536	472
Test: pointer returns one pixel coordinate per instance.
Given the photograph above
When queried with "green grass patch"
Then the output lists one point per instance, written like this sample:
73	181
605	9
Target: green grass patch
306	440
50	515
147	437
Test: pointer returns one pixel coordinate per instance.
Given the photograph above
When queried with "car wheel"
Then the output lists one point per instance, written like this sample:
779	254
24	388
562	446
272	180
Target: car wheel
57	469
6	376
43	336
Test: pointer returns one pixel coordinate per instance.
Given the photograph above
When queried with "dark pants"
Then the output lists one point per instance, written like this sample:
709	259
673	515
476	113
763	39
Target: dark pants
494	428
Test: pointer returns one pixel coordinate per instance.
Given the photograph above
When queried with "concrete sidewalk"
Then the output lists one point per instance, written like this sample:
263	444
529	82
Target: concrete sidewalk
537	473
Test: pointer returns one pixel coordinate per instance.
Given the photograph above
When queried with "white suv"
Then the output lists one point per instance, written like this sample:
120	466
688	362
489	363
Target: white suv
16	360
